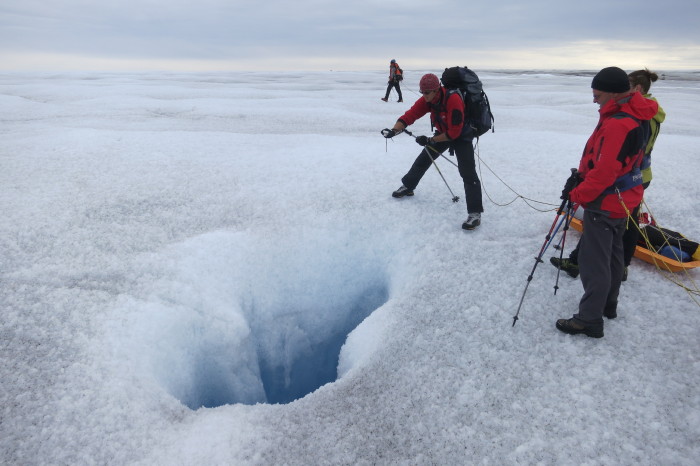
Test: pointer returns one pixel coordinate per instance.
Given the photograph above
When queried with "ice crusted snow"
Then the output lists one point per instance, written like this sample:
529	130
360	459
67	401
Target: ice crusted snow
210	269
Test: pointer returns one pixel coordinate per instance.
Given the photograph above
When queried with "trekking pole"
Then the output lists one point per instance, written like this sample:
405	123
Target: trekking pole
538	259
427	149
569	216
572	209
571	183
454	198
547	241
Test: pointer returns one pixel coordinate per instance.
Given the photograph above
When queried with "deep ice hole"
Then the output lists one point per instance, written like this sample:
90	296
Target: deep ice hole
245	320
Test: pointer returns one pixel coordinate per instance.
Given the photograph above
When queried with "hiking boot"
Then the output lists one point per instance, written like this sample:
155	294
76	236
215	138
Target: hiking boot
402	191
624	275
574	327
610	313
400	100
472	221
567	265
385	99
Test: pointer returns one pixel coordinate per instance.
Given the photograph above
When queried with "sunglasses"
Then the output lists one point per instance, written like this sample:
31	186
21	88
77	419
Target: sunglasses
428	92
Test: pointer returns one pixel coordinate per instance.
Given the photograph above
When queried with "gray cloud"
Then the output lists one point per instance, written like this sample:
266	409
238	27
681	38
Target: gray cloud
233	30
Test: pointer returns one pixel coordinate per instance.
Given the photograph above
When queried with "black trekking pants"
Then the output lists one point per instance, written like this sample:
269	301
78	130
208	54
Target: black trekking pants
631	236
398	89
464	151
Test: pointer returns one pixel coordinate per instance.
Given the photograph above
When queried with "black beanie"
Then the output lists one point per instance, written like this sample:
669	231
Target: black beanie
611	79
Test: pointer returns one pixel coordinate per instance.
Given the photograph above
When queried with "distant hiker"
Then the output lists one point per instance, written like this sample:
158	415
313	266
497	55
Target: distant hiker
610	185
640	81
447	117
395	78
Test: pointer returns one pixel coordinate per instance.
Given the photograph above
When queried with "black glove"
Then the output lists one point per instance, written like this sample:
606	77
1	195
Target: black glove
424	140
388	133
571	183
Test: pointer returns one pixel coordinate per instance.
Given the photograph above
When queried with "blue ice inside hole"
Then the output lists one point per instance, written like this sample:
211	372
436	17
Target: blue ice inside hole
290	351
234	326
312	363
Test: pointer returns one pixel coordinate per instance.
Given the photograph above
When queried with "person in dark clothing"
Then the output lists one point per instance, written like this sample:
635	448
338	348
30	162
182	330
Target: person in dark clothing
447	117
640	81
610	187
395	78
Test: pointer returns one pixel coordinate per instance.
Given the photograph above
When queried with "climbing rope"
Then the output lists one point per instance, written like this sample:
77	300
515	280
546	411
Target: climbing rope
527	200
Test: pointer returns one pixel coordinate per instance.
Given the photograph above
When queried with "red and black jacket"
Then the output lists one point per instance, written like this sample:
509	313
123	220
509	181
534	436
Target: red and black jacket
614	149
445	117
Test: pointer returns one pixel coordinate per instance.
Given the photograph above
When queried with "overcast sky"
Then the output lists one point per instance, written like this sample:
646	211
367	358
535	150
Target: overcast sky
133	35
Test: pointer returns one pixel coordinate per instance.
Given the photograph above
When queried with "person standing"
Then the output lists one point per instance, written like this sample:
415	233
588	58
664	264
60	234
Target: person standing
395	78
609	189
640	81
447	117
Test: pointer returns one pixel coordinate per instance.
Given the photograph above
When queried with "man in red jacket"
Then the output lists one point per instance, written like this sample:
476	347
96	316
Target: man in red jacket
447	117
610	188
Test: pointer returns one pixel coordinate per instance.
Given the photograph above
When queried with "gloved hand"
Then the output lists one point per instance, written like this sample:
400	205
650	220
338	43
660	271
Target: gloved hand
388	133
424	140
571	183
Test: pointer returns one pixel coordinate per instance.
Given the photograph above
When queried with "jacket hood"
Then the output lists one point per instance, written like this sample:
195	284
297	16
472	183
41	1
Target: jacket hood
633	104
661	114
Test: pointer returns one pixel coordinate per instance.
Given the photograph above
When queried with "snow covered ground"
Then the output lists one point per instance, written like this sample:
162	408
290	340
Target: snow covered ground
172	241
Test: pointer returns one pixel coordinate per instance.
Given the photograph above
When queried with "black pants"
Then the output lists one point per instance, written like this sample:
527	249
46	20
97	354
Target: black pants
631	237
464	151
398	89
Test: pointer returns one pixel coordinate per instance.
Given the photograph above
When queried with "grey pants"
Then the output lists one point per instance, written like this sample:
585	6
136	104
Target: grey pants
601	263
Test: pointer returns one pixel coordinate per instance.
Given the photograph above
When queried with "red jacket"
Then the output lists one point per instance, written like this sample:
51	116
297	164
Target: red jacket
610	153
446	118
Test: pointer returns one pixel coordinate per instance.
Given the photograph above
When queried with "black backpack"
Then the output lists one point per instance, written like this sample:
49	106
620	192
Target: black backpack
479	119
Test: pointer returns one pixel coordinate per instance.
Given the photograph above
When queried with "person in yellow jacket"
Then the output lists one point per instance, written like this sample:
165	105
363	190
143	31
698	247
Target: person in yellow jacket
640	81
